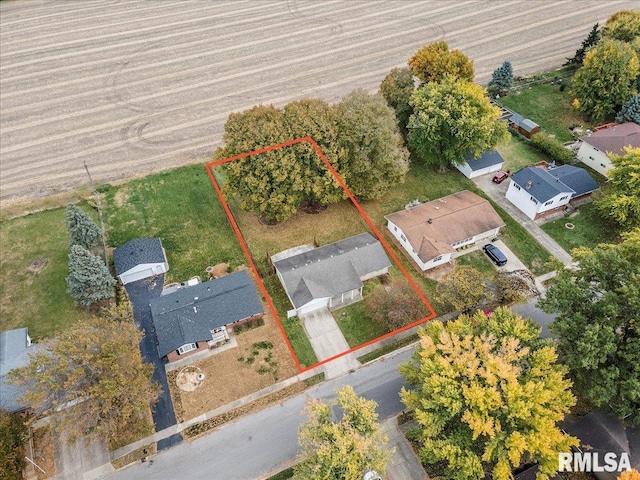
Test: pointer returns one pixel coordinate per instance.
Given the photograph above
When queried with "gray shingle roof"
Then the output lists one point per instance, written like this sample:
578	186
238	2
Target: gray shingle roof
543	185
487	159
331	270
189	314
14	353
136	252
576	178
524	123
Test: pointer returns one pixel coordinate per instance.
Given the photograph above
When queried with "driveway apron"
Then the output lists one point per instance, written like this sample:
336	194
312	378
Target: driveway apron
140	294
327	341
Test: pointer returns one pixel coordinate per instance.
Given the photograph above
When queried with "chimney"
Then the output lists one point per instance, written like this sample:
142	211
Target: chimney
529	183
430	221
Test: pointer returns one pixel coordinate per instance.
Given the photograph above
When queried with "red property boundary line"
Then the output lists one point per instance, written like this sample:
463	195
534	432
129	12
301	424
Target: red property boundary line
362	213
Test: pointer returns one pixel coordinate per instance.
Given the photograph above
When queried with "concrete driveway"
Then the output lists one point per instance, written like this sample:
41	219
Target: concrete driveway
328	341
513	262
140	294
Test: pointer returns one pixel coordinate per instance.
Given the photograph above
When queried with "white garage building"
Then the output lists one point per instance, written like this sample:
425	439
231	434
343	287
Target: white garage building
140	258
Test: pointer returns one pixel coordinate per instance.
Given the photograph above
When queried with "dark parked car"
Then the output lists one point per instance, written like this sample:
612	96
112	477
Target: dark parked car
500	177
495	254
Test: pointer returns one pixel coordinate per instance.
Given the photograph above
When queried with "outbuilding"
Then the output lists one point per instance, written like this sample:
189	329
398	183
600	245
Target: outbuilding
140	258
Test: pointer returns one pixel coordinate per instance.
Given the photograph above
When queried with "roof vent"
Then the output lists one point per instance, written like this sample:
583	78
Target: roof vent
195	298
529	184
430	221
195	310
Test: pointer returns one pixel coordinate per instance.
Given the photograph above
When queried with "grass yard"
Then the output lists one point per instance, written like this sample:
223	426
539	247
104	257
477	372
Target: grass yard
36	297
589	229
292	326
480	262
356	327
546	105
181	207
519	153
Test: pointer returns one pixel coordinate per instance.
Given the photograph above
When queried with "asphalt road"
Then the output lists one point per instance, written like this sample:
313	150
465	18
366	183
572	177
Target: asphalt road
135	86
265	441
140	294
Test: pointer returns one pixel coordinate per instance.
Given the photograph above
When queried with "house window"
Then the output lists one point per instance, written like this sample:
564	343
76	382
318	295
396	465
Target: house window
395	229
533	200
437	259
187	348
403	238
548	203
603	165
517	186
591	158
563	198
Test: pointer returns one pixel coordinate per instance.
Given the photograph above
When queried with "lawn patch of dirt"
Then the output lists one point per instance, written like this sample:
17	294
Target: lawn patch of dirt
44	451
38	264
226	378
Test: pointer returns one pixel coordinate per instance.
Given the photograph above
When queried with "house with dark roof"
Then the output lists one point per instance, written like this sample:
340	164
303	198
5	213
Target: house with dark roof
490	161
433	232
140	258
330	276
538	192
523	125
15	350
596	146
196	317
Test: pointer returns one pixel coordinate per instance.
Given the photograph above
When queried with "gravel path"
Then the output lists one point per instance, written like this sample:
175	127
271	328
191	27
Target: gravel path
135	86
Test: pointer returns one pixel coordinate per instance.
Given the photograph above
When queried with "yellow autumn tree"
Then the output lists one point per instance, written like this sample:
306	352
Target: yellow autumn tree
346	448
435	61
629	475
487	394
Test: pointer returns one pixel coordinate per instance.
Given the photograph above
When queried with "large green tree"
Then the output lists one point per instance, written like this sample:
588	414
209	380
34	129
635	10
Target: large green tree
14	434
271	183
316	119
396	88
623	25
370	148
450	119
606	80
342	449
82	228
92	378
597	305
487	394
620	197
89	279
434	62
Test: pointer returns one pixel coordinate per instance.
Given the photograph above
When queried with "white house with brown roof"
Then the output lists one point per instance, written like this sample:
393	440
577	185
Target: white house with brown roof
432	233
607	139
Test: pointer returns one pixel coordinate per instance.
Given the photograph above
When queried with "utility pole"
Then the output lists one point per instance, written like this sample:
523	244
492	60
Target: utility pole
97	195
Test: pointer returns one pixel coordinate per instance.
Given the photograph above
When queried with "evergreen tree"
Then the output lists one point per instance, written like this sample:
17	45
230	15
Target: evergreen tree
89	279
502	80
592	39
630	111
82	228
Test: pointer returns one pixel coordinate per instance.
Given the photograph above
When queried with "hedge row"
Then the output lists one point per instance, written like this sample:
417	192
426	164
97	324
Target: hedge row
552	147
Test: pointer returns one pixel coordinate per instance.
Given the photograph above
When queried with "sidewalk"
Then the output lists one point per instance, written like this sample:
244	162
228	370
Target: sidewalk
404	463
497	194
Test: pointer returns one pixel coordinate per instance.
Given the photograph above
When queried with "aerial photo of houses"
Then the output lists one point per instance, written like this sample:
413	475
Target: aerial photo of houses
320	240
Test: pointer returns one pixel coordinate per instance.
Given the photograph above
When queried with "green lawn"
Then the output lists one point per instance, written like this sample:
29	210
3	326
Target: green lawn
356	327
292	326
589	229
519	153
546	105
181	207
480	262
37	300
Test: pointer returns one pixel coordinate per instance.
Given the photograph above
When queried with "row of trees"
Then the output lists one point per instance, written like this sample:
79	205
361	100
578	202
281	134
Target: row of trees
608	75
358	136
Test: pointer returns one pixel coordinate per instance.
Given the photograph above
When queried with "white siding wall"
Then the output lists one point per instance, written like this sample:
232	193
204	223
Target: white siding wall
467	172
397	233
465	169
596	159
522	199
144	270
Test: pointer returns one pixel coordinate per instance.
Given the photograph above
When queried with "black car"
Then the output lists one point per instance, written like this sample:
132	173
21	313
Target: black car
495	254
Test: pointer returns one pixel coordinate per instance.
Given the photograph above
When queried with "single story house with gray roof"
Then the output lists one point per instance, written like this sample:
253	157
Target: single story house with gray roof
490	161
330	276
611	138
140	258
196	317
538	192
15	350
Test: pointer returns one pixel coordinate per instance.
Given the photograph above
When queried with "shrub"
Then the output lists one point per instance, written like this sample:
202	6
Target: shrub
551	147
